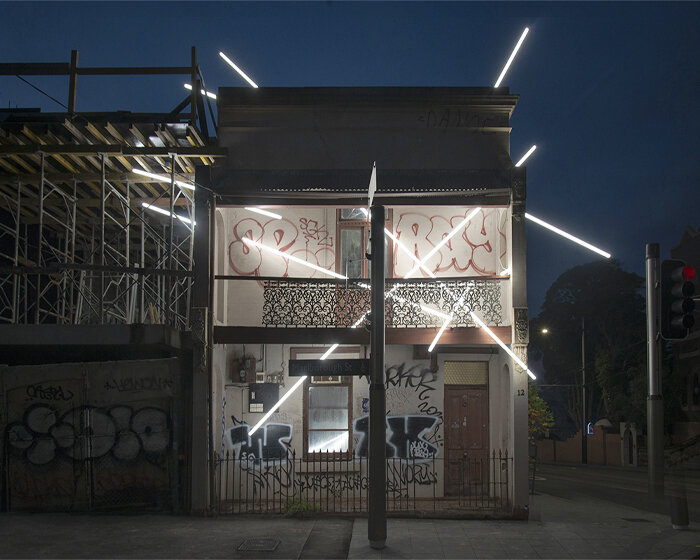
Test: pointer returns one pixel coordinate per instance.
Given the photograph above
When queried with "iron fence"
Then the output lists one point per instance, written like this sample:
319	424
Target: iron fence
339	483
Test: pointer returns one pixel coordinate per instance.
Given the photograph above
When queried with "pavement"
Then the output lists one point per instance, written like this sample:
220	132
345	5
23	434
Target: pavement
586	527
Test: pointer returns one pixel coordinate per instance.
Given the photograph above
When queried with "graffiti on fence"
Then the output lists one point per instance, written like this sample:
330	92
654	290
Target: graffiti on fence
88	432
143	383
48	393
269	443
404	436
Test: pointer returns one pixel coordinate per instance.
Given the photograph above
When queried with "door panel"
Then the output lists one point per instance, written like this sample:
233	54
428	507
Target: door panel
466	438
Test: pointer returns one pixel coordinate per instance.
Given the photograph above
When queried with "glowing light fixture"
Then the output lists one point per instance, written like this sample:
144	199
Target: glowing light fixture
512	56
160	210
163	178
237	69
545	331
405	250
263	212
567	235
439	334
445	239
286	395
500	343
293	258
527	155
207	93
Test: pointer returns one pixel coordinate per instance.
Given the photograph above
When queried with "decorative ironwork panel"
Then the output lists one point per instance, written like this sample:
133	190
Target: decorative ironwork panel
415	304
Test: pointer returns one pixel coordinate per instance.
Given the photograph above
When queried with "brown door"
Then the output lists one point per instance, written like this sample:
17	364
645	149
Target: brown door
466	439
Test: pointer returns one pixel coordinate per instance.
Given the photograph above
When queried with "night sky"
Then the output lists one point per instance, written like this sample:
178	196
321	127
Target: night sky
608	92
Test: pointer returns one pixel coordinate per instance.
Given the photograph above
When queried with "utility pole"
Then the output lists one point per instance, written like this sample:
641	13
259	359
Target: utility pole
584	425
376	522
655	403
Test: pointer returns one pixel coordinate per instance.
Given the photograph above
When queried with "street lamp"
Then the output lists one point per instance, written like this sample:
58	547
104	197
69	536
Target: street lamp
584	427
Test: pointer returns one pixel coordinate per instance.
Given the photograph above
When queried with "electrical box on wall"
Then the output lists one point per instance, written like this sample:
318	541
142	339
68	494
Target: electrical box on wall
263	396
243	370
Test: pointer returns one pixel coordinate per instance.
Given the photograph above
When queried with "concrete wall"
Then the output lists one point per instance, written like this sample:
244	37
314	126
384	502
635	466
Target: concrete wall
91	435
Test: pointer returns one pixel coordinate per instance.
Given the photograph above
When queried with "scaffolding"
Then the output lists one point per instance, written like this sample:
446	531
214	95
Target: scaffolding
85	239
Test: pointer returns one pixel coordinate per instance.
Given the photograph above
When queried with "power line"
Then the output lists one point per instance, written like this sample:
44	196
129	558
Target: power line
41	91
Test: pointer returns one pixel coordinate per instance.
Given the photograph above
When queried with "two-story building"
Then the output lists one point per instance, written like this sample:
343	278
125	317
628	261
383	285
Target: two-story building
292	283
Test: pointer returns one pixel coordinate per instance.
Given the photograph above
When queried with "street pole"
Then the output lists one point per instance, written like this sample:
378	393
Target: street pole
584	427
376	522
655	403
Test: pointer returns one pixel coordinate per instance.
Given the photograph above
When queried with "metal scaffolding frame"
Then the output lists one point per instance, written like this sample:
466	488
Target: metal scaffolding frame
77	244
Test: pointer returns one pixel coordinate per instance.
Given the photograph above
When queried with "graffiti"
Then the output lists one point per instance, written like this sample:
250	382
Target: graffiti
418	377
272	476
335	484
269	443
312	231
145	383
89	432
281	235
48	393
471	248
404	436
453	117
45	489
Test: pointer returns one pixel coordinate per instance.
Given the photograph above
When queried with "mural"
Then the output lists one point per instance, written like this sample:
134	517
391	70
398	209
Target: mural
470	252
309	241
88	432
268	443
404	436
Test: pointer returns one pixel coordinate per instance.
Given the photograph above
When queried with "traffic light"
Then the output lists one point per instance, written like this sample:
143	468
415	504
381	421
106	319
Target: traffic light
676	302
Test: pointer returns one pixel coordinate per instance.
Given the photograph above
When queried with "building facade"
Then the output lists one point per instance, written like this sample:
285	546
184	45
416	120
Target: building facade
291	284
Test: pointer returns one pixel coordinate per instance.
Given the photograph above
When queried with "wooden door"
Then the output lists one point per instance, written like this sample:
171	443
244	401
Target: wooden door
466	438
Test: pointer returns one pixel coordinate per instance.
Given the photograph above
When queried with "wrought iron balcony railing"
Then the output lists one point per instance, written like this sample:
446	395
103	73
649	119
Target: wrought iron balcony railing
424	303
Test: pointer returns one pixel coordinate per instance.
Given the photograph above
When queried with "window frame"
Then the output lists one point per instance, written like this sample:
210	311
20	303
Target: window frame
345	381
363	225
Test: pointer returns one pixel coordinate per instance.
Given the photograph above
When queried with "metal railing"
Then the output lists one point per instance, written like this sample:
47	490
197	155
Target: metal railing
339	483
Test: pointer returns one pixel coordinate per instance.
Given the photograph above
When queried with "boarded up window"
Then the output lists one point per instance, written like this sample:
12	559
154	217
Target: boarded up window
466	373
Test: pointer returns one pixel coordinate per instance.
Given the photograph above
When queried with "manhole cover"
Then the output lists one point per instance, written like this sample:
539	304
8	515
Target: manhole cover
636	519
261	545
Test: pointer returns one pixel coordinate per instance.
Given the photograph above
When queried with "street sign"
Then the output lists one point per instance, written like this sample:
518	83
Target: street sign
355	367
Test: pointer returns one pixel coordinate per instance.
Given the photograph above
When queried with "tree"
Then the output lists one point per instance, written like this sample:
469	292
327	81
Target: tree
539	417
611	302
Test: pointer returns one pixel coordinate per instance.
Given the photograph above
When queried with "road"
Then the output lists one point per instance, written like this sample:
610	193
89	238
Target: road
624	486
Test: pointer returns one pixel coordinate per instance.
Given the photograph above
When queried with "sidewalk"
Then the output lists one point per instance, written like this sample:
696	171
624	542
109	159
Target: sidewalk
558	528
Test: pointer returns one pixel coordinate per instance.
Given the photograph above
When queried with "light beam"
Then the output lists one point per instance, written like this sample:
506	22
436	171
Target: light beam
160	210
162	178
207	93
500	343
512	56
527	155
293	258
567	235
237	69
263	212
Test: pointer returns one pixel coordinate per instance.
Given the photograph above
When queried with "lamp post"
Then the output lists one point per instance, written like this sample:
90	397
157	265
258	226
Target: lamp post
584	427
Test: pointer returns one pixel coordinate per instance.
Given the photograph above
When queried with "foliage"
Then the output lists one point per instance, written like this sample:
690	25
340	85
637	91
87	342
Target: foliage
539	417
609	303
298	507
